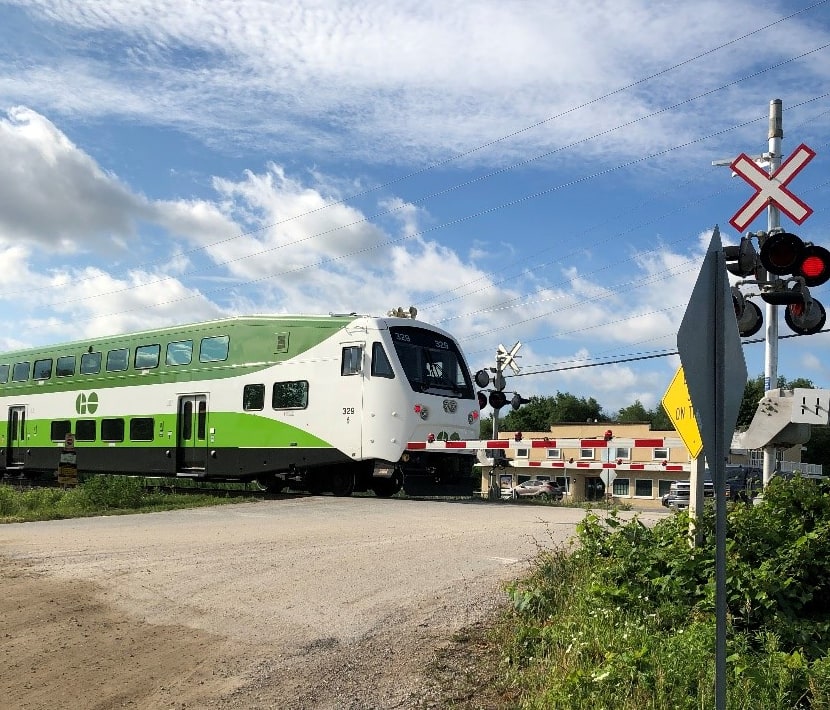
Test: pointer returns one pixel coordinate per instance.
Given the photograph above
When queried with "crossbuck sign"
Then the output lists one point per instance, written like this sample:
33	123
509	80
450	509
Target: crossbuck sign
508	359
771	188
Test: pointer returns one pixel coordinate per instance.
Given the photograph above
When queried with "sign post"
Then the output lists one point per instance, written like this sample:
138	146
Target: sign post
715	372
68	463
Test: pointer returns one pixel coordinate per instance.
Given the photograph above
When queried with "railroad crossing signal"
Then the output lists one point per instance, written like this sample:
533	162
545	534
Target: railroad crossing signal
771	188
795	266
508	359
678	406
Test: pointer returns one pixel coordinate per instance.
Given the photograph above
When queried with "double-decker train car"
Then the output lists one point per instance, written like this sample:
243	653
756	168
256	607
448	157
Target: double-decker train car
322	403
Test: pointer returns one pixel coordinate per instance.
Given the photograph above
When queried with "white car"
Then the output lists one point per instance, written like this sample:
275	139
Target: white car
538	488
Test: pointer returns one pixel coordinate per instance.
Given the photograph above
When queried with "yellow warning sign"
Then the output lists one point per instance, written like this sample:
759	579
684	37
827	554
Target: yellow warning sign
678	406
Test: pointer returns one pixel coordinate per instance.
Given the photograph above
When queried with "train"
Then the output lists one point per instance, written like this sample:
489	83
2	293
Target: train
324	403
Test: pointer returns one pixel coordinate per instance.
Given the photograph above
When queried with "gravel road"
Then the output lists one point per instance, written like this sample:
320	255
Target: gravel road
313	602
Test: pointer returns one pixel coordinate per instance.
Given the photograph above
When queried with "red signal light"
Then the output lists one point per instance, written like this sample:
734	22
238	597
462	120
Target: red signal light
815	265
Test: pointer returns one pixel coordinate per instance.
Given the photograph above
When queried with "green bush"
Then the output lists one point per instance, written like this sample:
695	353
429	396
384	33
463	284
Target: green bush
9	502
113	492
95	495
625	618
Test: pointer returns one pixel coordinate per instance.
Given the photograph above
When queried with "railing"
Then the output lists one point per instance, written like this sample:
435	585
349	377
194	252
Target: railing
807	469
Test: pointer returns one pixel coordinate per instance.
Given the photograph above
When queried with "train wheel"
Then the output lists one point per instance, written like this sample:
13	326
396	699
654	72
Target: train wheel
313	483
342	482
387	487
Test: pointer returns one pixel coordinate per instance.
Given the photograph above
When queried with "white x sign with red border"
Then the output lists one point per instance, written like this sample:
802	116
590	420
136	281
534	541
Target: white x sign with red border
771	188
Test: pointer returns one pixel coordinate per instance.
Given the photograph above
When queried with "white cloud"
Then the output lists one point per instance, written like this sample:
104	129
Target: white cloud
53	194
397	80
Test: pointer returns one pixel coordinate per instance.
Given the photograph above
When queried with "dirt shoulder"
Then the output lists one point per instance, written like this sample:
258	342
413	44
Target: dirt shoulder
321	603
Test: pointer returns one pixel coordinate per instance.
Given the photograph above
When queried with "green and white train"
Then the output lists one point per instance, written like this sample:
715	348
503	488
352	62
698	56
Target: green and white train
322	403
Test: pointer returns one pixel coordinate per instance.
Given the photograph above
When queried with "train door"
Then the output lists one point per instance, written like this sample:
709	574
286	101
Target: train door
350	398
191	437
16	449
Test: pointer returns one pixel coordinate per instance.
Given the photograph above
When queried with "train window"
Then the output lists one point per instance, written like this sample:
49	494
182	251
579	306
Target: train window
43	369
118	360
282	343
4	374
431	362
20	372
90	363
180	352
290	395
352	360
142	429
60	429
214	349
65	366
381	367
85	430
253	397
147	356
112	430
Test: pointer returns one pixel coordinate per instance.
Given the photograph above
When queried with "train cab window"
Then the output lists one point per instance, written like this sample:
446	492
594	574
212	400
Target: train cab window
118	360
85	430
214	349
65	366
112	430
179	352
381	367
4	374
60	429
147	357
290	395
142	429
42	369
90	363
253	397
20	372
352	362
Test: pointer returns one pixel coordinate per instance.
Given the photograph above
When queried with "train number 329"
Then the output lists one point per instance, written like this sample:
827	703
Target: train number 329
348	410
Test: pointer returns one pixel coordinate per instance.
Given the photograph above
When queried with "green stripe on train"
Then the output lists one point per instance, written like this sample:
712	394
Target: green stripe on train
255	344
231	430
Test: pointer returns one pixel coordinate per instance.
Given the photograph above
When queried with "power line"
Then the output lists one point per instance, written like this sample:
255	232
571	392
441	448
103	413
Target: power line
635	358
458	156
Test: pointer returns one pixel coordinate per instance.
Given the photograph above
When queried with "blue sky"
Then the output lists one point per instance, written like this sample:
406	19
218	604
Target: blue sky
519	171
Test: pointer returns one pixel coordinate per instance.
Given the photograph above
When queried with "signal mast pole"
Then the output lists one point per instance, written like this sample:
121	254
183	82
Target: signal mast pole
776	134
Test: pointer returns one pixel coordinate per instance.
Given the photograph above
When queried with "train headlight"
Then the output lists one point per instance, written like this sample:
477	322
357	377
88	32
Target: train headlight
421	411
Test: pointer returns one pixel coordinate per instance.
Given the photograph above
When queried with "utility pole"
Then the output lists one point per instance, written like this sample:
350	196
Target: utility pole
775	136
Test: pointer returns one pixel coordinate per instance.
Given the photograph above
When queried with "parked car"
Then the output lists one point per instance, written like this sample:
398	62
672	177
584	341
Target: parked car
538	488
680	491
743	482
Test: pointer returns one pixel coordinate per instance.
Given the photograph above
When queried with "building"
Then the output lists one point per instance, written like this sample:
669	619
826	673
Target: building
638	464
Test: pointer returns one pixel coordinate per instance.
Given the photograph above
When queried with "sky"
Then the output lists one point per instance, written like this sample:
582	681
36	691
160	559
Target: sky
521	172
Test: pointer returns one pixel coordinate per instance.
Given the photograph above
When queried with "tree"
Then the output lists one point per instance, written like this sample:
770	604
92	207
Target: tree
541	412
633	414
660	420
485	427
817	449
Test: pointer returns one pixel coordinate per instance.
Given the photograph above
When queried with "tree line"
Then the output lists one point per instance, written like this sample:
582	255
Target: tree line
540	413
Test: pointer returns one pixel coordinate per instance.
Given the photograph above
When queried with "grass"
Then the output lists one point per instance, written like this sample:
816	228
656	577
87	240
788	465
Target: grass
97	495
623	618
